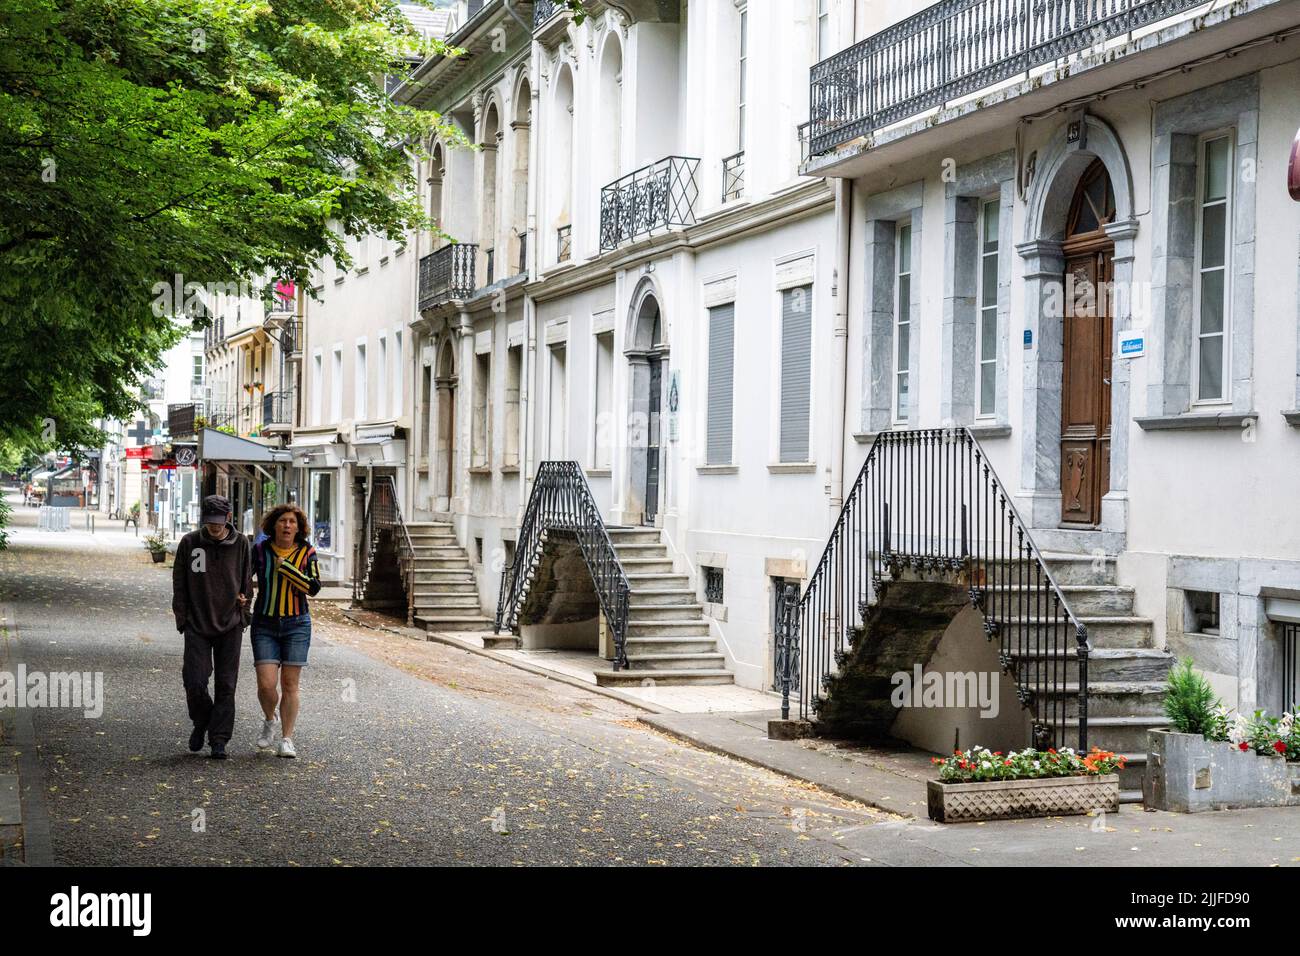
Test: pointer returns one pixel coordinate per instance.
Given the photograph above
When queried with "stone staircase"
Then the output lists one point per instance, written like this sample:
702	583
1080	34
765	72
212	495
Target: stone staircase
446	595
668	641
1126	674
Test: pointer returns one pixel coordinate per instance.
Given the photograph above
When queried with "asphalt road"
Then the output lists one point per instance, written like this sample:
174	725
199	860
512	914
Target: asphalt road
411	753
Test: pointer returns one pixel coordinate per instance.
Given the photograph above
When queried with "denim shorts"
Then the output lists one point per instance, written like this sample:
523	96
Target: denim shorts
281	640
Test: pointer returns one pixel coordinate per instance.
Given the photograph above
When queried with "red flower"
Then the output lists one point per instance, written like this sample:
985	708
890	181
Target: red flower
1280	747
997	753
1051	750
1006	763
1244	746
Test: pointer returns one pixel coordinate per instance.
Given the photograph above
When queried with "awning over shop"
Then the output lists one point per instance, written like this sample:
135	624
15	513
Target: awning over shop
218	446
374	434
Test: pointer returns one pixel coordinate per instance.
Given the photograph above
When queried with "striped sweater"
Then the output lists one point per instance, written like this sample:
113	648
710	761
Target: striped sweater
283	591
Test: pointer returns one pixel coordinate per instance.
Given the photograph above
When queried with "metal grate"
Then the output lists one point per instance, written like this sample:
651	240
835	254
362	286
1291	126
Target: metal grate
713	585
733	176
1290	667
564	243
958	47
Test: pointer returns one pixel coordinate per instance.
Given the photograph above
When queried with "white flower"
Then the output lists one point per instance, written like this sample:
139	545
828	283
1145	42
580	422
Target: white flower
1036	765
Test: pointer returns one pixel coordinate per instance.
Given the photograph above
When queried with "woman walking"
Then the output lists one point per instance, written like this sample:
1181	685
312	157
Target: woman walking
287	573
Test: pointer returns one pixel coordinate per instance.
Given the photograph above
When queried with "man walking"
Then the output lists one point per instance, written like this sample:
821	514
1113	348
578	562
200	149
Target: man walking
212	581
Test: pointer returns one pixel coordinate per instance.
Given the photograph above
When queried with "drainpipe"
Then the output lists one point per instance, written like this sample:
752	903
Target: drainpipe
840	291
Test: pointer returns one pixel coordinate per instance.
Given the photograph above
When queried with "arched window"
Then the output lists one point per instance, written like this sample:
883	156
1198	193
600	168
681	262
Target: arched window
560	212
487	230
519	205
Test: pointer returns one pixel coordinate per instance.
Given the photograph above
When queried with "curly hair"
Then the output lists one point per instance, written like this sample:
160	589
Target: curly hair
278	512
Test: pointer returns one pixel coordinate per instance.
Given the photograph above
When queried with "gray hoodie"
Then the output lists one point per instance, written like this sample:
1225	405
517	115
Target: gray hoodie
207	579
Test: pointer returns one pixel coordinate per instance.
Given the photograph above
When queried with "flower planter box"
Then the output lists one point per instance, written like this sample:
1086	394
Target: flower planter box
1009	799
158	556
1187	774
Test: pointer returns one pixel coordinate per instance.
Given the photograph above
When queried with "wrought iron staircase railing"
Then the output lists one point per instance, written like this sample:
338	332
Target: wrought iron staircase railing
954	48
561	500
929	500
384	514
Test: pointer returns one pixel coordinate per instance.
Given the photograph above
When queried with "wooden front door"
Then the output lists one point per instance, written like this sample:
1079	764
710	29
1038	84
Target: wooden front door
1087	334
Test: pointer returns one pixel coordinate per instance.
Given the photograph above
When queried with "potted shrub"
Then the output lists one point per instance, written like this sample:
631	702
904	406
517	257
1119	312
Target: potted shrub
1212	758
157	546
979	784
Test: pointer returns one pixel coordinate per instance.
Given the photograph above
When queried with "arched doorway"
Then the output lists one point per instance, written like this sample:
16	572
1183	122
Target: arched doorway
647	355
1086	343
1080	232
445	443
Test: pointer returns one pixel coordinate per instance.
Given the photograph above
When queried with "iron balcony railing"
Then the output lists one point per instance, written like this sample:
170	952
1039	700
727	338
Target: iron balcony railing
447	273
277	408
543	10
489	266
382	524
955	48
928	500
658	196
564	243
733	176
561	501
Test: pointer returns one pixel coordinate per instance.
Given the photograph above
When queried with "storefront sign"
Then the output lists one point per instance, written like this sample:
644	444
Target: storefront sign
1132	344
141	452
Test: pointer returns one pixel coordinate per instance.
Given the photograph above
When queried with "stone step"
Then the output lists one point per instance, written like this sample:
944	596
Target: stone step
468	623
676	662
627	552
505	641
670	645
429	563
1081	569
445	527
625	535
1110	631
662	678
1110	699
429	540
664	612
668	629
1018	599
662	597
452	585
662	565
1104	664
1119	734
439	552
656	581
434	599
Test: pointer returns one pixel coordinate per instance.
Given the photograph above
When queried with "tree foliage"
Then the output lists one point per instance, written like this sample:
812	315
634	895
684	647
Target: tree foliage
214	140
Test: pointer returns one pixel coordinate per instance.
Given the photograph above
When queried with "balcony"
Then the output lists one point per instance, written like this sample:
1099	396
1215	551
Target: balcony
659	196
447	273
543	10
277	411
180	419
733	177
282	304
954	49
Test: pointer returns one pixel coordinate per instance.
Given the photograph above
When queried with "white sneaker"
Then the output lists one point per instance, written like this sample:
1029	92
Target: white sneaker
267	737
287	749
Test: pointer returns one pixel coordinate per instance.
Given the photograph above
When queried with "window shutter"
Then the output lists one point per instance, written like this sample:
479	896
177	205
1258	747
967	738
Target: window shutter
796	372
721	341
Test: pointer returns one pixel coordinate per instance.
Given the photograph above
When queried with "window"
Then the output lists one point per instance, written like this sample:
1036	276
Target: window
481	424
382	368
397	372
1202	614
721	346
317	386
603	453
322	509
796	372
988	308
823	29
744	57
556	437
197	376
902	322
478	551
713	585
336	384
362	385
514	375
509	552
1211	290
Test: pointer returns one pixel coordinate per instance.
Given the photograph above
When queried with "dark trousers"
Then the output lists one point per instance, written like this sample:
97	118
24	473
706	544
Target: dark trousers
203	655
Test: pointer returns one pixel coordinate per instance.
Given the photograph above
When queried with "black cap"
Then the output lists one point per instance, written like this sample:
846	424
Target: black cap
216	510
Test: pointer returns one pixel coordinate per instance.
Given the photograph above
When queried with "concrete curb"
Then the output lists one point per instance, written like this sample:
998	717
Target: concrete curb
38	847
821	781
442	637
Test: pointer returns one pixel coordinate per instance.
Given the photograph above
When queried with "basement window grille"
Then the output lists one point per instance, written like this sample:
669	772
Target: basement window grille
478	551
713	585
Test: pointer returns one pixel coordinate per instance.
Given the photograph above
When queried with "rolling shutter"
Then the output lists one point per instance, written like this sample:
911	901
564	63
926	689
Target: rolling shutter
796	372
721	355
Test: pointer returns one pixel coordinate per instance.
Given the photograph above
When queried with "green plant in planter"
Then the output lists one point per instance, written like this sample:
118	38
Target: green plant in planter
156	543
1190	703
135	510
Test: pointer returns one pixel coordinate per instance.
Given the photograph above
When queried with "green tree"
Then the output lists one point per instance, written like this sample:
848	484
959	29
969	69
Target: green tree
214	140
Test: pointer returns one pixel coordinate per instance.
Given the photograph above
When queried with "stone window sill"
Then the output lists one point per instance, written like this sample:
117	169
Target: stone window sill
717	469
1292	417
509	469
792	467
598	472
1196	420
990	430
481	470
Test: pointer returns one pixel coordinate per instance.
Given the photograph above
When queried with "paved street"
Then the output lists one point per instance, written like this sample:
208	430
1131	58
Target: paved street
411	753
420	753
